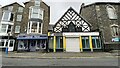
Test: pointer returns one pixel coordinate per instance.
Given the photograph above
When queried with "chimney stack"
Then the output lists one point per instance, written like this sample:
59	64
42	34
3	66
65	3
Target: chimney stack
82	5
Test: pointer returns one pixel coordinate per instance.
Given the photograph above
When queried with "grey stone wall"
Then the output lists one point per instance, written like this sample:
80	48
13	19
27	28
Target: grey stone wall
89	13
99	18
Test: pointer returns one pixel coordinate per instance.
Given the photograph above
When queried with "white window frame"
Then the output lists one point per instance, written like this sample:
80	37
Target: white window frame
111	12
17	29
37	2
10	8
33	13
117	27
19	18
29	30
40	12
5	28
4	16
20	9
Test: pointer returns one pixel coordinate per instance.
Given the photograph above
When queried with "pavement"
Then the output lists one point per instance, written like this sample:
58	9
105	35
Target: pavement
59	55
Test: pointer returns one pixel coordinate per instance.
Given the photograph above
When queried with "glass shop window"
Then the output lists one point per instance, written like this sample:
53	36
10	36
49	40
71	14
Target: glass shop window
21	44
85	42
59	42
96	43
50	42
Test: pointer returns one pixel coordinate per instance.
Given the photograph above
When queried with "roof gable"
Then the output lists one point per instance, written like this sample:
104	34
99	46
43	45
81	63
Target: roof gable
71	16
19	3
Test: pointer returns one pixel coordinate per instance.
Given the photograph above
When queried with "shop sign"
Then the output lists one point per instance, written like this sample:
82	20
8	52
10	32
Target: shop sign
32	37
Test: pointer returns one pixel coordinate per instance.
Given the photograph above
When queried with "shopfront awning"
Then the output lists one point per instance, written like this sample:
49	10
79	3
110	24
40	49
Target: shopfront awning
32	37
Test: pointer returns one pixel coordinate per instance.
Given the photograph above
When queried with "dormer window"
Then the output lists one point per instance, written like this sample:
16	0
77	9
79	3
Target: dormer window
111	12
37	2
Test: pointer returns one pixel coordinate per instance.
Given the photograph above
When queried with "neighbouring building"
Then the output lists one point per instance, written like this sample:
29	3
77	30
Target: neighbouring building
104	18
72	33
34	26
29	24
6	26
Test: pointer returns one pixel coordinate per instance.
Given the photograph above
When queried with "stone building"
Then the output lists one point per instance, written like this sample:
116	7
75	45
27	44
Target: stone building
34	31
105	18
30	21
6	26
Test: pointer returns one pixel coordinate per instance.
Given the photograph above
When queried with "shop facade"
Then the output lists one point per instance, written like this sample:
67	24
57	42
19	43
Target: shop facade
5	42
72	33
32	42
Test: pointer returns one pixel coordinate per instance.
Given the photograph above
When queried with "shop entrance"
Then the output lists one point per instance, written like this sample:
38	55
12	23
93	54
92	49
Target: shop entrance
7	43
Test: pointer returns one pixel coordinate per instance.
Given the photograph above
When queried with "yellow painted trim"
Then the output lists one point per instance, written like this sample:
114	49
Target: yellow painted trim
90	39
54	46
64	43
48	33
81	48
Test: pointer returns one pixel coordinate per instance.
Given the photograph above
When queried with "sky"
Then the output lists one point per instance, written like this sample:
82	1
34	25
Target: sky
59	7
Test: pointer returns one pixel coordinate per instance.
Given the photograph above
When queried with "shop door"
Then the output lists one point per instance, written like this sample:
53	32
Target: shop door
33	45
72	45
11	45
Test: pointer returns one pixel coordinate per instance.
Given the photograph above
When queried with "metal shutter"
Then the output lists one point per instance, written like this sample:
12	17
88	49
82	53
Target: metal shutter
72	44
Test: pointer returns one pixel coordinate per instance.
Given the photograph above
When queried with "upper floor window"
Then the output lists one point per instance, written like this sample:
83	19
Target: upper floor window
17	29
6	28
114	29
111	12
36	12
7	16
34	27
37	2
3	28
19	17
10	8
20	9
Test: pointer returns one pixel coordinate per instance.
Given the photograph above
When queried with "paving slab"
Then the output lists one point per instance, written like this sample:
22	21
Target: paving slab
57	55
